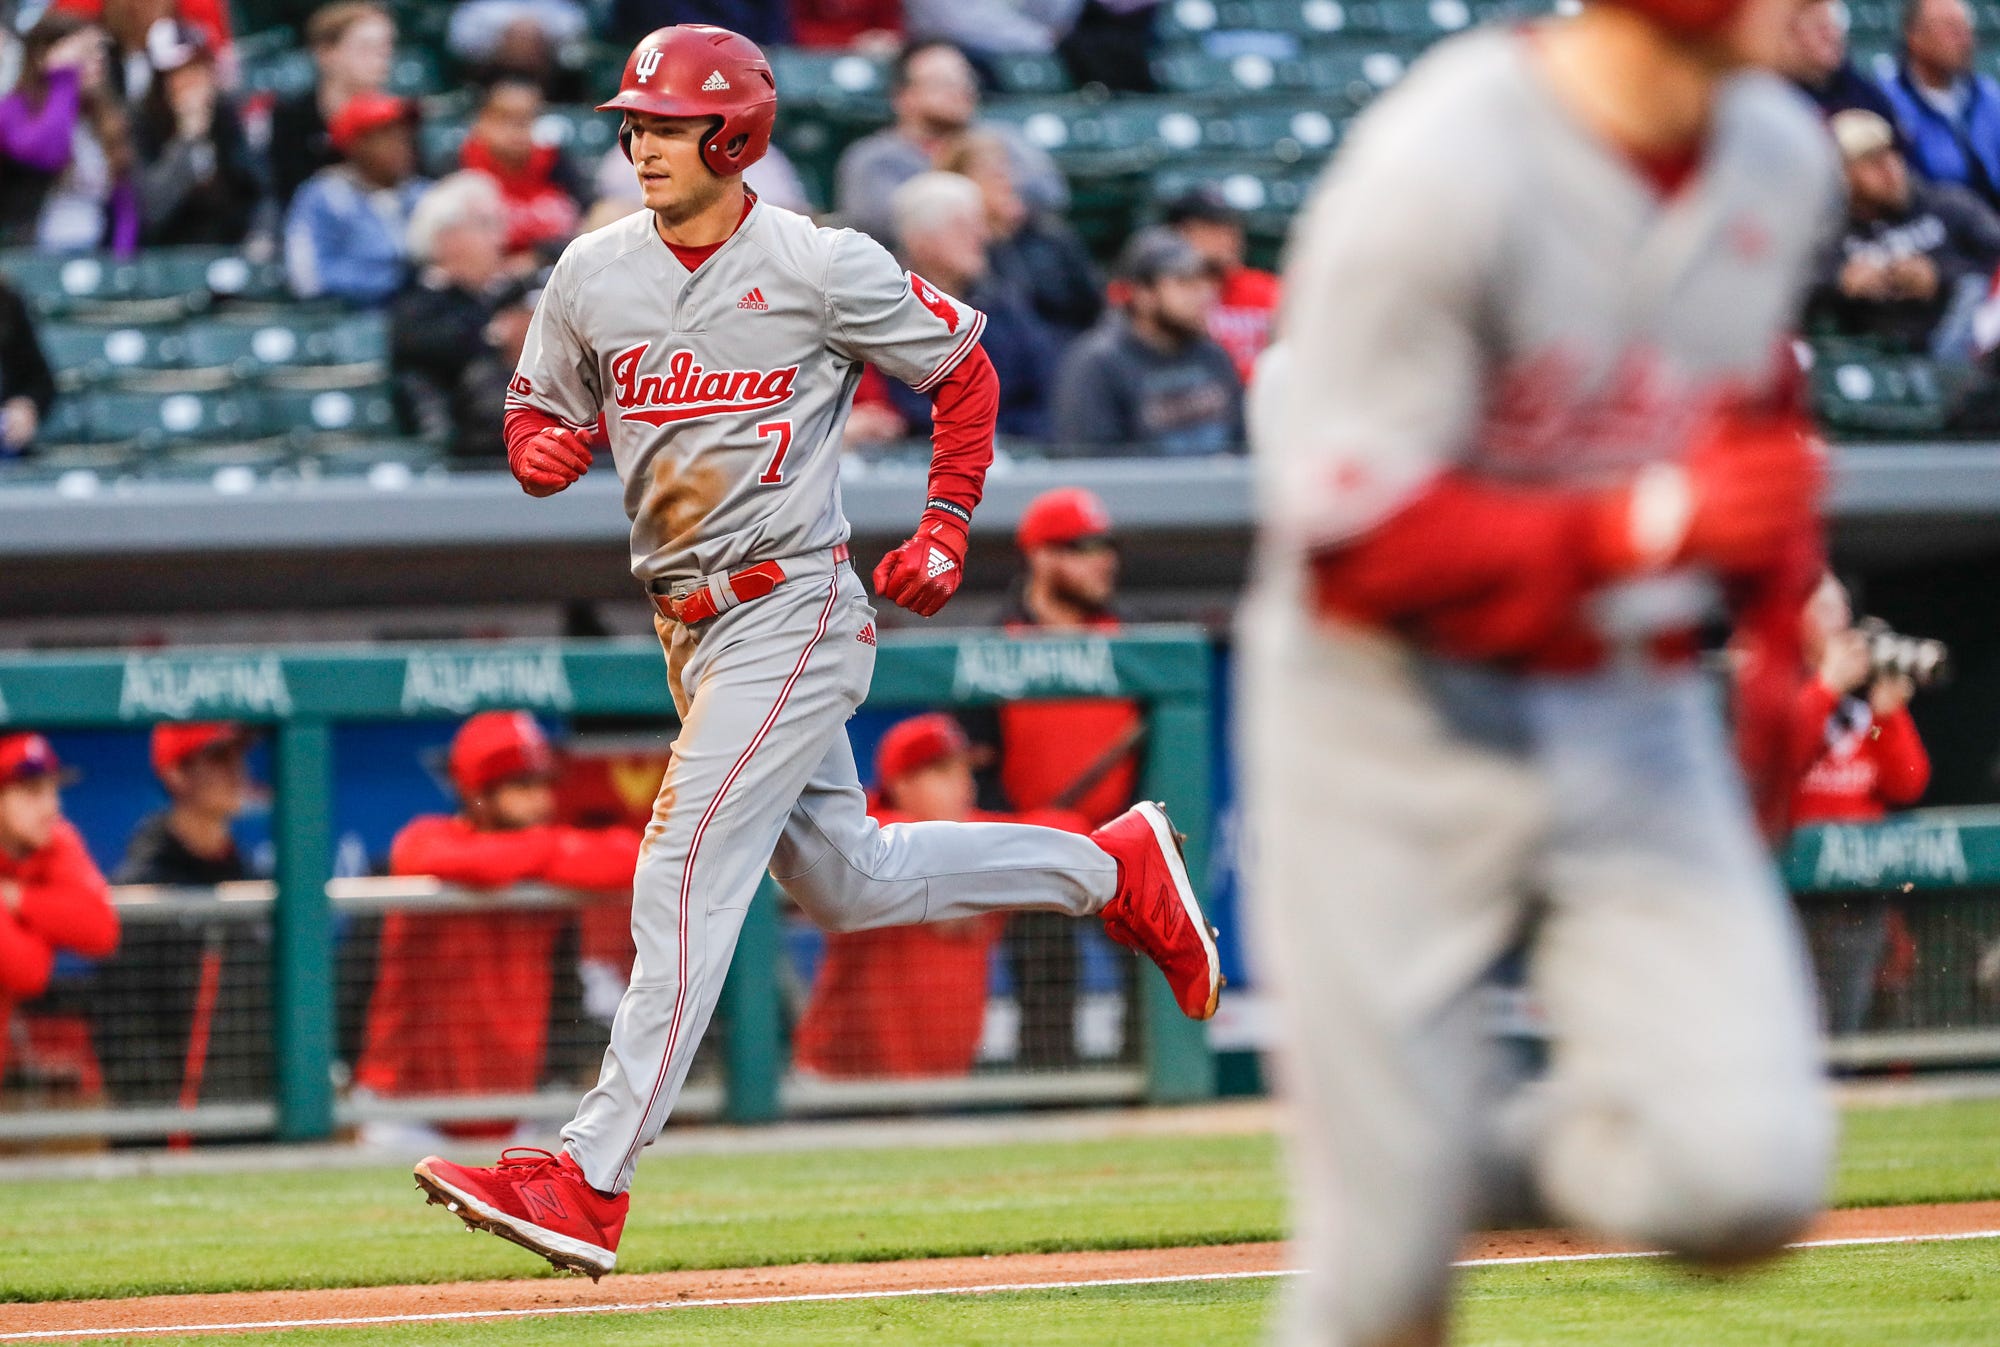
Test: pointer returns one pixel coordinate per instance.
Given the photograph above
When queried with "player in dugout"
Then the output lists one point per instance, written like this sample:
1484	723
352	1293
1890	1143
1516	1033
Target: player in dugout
461	999
911	1000
53	899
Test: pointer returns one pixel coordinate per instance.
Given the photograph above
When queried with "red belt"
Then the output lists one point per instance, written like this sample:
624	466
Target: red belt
752	582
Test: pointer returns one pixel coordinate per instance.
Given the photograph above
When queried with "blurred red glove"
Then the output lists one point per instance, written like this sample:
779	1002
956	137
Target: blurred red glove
550	460
1739	502
924	572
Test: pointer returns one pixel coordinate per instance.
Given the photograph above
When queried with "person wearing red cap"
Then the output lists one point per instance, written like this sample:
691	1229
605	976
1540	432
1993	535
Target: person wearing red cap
1078	753
346	231
52	897
461	1000
353	46
157	1005
910	1000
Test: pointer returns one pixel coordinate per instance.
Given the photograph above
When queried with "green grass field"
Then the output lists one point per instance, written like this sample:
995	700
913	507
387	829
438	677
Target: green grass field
75	1239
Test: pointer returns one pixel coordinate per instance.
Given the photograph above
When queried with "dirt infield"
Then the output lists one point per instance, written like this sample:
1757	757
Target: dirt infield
77	1320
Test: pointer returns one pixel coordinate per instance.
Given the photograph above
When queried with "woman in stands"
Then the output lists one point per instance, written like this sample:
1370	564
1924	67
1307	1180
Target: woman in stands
353	44
67	181
200	183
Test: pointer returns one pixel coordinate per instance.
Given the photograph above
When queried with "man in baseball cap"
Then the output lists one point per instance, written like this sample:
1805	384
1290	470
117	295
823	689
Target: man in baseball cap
461	1000
178	987
910	1000
1148	378
345	231
52	897
1246	299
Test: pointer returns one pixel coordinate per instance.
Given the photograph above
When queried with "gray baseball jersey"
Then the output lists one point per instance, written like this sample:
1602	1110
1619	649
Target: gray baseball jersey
1481	280
1482	284
725	390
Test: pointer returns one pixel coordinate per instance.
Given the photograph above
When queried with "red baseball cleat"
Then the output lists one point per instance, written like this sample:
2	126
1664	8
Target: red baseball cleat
538	1200
1154	910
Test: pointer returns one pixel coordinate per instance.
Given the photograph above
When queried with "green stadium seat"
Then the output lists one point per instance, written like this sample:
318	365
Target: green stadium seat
366	409
1356	72
88	353
68	422
830	79
250	349
1860	390
347	456
416	72
284	73
579	131
153	420
56	284
194	278
1204	74
1287	134
1030	73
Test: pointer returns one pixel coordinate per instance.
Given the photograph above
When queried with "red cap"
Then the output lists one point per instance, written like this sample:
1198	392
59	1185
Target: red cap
918	742
496	746
363	113
1062	516
173	745
26	756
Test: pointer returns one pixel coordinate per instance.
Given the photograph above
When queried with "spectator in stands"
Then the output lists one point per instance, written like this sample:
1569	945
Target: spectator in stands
211	17
52	897
180	990
346	235
1246	301
478	1025
936	100
199	182
1078	754
860	25
135	27
456	331
353	44
522	40
68	183
1035	252
1913	260
992	27
539	192
27	386
1111	43
1948	115
1865	759
910	1000
765	22
941	219
1816	60
1149	376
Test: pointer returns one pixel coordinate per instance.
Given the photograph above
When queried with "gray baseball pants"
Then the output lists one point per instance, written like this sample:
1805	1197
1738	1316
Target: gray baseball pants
1410	814
763	775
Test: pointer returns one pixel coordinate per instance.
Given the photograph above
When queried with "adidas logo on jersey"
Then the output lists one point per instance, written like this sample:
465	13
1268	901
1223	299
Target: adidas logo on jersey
866	635
939	564
714	83
753	300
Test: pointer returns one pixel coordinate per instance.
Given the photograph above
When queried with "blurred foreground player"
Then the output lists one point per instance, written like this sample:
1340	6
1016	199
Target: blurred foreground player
719	338
1535	417
476	1023
52	896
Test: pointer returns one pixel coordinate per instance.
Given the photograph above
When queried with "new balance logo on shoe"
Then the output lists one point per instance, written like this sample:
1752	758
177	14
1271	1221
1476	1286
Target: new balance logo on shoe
938	565
714	83
867	635
544	1202
753	300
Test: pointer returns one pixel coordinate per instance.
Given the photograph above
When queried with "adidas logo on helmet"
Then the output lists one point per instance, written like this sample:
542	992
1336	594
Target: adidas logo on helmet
714	83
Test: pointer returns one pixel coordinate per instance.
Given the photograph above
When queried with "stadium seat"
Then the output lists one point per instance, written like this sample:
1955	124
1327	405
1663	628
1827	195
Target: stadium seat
830	79
57	284
152	420
1865	391
282	73
250	349
367	409
197	277
1216	76
1029	73
1286	134
88	353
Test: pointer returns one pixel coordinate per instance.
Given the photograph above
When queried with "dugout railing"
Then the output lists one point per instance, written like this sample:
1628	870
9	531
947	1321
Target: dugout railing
300	694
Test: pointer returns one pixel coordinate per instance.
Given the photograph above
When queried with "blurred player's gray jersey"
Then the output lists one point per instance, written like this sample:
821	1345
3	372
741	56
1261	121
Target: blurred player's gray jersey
1483	281
725	390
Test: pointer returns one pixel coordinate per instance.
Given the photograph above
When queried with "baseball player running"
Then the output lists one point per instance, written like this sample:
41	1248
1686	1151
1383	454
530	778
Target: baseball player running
1535	411
720	339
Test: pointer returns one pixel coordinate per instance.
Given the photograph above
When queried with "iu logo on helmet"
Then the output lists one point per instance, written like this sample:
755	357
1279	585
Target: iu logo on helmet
649	61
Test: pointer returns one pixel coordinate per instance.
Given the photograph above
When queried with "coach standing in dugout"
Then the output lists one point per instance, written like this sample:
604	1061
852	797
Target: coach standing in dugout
52	898
164	1000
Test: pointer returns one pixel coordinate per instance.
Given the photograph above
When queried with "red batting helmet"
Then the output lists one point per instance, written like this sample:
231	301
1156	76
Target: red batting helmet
695	70
1693	18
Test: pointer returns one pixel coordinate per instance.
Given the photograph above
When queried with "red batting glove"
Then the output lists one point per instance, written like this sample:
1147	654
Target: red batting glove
550	460
924	572
1739	502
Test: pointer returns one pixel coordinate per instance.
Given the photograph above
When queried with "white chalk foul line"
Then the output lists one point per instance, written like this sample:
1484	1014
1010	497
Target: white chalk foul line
910	1292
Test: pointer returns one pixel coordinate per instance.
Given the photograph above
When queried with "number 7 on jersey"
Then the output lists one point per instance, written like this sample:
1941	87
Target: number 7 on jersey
774	472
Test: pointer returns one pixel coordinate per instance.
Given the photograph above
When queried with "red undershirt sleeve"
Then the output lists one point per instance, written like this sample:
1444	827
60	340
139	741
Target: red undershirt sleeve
965	408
